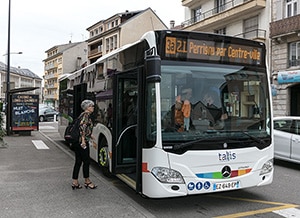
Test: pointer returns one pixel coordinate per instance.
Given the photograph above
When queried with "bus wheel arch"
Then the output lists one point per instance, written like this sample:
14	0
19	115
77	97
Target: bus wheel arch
103	159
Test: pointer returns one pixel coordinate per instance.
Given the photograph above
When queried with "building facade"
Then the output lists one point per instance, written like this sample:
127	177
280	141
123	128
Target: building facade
61	59
19	78
242	18
285	53
120	29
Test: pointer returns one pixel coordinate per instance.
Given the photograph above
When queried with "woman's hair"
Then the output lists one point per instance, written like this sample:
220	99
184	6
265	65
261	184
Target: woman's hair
86	103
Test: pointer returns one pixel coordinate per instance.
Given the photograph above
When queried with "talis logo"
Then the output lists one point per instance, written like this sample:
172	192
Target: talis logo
227	156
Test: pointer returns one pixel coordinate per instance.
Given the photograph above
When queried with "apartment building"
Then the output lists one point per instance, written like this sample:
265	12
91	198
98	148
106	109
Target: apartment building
120	29
19	78
285	53
242	18
61	59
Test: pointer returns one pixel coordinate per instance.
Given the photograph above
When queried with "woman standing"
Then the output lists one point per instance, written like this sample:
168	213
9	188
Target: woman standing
82	150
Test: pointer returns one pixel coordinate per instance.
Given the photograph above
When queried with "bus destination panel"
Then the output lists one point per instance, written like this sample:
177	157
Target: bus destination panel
192	49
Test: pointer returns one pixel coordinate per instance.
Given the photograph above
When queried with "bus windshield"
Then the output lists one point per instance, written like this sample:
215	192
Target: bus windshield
203	102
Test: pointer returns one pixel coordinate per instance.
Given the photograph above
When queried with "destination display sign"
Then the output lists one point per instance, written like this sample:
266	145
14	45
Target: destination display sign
177	47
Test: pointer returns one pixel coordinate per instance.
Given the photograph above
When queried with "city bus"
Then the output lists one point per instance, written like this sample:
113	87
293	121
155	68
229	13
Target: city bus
178	113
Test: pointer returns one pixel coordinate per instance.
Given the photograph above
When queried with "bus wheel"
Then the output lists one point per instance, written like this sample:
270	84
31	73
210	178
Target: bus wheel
103	157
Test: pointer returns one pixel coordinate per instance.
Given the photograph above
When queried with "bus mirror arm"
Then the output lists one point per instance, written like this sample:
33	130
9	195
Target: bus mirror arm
152	68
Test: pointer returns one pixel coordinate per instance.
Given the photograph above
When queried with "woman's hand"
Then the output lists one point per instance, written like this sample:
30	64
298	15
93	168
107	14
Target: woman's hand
83	145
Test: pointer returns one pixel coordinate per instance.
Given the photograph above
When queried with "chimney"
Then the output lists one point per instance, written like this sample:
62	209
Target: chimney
172	24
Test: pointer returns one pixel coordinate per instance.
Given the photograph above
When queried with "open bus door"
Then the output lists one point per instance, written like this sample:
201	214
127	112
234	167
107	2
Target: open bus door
126	152
80	94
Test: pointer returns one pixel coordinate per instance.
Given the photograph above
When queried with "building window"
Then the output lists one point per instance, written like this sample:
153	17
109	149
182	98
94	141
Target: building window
197	14
221	31
111	40
117	22
107	44
99	48
291	8
220	6
115	41
294	54
251	28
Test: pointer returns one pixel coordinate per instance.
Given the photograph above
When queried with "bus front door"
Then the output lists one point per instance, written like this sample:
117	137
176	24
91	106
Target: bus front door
125	131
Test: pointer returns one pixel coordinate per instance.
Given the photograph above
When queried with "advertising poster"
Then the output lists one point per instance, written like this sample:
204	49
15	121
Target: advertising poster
288	77
24	112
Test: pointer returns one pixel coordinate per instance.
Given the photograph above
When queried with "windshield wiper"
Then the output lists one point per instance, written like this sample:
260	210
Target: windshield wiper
187	144
214	139
258	140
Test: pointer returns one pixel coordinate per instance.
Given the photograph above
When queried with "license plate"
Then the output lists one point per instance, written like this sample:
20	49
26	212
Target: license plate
226	185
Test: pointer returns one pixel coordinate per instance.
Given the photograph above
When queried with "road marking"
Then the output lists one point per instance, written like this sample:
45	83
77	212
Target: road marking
280	207
290	212
46	127
39	144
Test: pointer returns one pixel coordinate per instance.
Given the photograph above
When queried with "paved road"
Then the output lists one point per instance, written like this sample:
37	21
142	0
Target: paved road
52	196
35	181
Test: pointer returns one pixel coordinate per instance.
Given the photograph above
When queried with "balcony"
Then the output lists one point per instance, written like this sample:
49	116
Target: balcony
257	34
293	63
51	86
50	66
50	97
51	76
187	3
285	26
95	52
221	15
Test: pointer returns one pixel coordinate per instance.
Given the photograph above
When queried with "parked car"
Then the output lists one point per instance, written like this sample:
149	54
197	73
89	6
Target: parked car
287	138
47	114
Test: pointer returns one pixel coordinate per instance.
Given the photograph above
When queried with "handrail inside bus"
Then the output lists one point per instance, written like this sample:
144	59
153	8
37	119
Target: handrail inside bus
119	139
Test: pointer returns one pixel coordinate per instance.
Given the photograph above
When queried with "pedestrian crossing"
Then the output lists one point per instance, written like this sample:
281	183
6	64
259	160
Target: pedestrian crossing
46	127
39	144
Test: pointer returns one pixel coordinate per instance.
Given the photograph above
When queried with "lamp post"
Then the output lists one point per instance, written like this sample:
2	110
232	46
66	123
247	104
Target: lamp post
7	96
8	112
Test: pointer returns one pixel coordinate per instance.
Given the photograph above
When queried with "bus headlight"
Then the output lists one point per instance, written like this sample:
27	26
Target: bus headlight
167	175
267	167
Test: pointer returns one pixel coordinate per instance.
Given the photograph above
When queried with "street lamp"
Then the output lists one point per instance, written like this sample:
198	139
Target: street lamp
14	53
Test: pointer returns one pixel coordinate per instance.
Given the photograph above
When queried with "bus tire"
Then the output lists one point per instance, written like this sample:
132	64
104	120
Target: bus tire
103	157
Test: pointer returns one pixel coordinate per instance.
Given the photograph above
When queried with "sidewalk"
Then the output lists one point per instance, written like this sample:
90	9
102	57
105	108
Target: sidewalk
37	183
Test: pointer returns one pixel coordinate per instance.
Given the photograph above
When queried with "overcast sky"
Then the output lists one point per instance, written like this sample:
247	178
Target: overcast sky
38	25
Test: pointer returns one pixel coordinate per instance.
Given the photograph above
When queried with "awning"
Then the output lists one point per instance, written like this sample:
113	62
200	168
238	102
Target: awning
104	95
25	89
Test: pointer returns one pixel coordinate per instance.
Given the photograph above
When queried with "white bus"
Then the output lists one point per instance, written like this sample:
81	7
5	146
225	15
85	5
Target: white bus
179	113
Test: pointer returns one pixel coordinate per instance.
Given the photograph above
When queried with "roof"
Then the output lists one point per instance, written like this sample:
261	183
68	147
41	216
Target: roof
117	14
19	71
63	47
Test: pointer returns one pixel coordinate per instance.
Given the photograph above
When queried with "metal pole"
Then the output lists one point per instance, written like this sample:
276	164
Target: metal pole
8	111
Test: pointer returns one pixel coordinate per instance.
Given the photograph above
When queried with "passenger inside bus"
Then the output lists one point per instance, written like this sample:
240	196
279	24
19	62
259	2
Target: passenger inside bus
217	113
183	110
